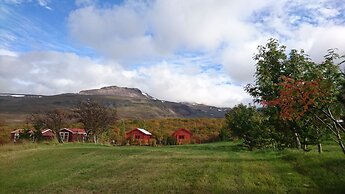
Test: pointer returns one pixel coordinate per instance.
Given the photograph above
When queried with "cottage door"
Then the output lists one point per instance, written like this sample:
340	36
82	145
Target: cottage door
64	136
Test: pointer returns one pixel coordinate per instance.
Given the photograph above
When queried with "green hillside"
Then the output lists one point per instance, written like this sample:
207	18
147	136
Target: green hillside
203	168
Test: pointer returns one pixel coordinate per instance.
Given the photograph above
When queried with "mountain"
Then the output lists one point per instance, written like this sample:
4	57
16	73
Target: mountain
116	91
130	103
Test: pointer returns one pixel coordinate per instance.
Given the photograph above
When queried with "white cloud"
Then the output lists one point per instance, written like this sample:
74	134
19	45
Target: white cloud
118	32
54	72
238	64
162	27
201	25
5	52
44	3
226	30
181	83
317	40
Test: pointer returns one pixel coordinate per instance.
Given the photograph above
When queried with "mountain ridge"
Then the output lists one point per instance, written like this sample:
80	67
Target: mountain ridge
130	103
116	91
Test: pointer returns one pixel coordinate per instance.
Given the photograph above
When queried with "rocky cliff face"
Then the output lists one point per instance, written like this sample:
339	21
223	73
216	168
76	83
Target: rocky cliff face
116	91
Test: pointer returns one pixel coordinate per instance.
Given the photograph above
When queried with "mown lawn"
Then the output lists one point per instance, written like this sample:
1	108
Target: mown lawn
204	168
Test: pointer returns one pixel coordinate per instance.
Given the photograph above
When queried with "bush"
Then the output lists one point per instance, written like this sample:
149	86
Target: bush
224	134
153	142
247	123
171	141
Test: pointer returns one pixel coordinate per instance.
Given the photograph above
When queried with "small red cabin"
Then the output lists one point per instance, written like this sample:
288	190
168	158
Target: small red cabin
139	135
48	134
183	136
72	135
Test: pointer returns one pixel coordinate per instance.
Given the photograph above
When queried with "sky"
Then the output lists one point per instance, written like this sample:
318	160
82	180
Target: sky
198	51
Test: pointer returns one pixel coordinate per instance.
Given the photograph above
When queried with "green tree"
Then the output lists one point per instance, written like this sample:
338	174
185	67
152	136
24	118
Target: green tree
272	64
274	68
224	134
247	123
309	90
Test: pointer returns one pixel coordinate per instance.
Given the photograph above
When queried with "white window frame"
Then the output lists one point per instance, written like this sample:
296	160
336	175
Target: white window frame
64	136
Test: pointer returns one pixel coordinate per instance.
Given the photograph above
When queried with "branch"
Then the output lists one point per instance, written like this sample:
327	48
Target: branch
328	125
335	140
335	121
329	115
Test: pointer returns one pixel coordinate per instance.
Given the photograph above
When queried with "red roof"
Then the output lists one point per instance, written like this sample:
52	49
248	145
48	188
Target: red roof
74	130
78	130
141	130
47	133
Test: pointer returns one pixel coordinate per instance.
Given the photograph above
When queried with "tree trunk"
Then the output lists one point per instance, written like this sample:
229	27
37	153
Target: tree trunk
298	141
335	126
305	146
95	138
341	144
274	145
319	146
340	141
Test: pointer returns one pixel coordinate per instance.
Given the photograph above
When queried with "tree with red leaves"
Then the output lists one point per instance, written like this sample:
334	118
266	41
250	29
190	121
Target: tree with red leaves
297	93
300	99
272	64
296	97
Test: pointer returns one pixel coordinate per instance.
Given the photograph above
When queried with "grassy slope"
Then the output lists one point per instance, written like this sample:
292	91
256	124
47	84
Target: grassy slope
204	168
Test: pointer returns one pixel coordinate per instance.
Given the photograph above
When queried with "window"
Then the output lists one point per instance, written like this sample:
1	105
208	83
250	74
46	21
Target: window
181	137
137	136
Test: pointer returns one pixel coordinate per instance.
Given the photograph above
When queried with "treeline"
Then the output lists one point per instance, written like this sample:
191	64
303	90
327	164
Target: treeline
203	129
102	125
300	102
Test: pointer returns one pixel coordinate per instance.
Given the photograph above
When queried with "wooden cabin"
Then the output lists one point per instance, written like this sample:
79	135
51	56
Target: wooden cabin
182	136
48	134
138	136
72	135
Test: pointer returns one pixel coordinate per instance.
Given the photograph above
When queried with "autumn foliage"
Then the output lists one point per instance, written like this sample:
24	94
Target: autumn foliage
296	97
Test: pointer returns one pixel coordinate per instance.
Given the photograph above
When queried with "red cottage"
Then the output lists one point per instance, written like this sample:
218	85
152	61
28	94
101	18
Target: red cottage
48	134
139	136
183	136
72	135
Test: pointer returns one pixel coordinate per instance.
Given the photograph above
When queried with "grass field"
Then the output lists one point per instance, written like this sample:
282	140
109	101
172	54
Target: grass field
205	168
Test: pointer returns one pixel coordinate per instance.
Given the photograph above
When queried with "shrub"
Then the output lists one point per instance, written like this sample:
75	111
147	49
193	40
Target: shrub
247	123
